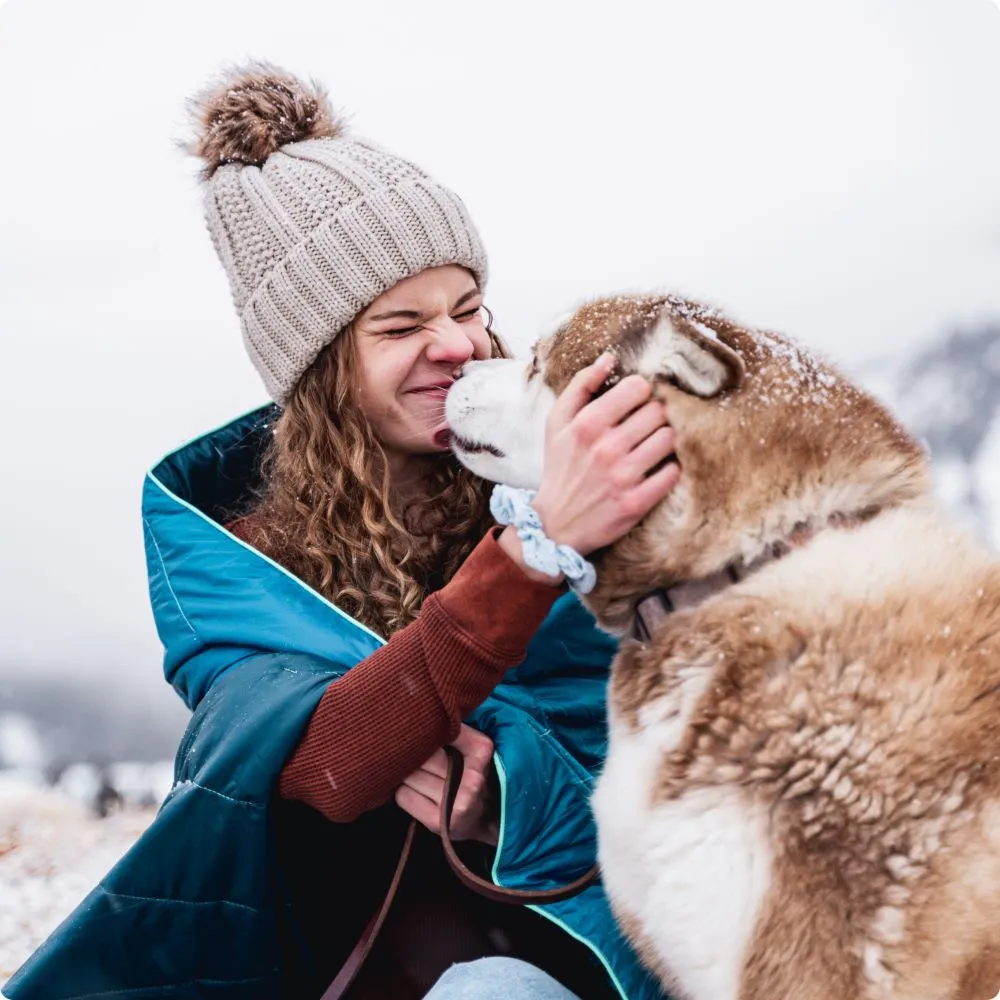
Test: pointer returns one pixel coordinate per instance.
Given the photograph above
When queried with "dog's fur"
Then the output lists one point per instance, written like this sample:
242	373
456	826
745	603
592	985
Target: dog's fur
802	793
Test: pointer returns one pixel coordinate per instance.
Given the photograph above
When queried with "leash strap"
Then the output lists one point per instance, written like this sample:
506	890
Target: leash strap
453	779
349	970
468	878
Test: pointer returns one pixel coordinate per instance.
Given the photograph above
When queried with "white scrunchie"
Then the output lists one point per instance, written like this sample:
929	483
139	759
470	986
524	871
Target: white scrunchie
513	506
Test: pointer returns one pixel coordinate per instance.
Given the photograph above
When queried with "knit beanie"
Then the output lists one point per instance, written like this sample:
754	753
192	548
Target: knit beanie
312	225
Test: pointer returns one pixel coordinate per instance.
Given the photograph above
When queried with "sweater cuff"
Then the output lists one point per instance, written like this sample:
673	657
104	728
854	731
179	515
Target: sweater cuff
491	598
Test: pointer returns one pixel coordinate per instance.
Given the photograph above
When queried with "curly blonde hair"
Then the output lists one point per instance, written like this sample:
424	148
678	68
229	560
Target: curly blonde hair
327	513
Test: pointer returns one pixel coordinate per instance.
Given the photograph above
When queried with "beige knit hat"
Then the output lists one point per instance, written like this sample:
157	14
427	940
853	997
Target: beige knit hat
312	226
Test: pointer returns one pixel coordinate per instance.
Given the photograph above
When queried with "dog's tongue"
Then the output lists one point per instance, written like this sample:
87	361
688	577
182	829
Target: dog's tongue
443	438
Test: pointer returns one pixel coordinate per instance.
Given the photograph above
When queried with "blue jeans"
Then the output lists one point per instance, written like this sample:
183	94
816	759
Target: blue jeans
497	978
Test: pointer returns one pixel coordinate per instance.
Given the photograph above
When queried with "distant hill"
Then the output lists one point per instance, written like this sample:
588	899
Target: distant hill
948	393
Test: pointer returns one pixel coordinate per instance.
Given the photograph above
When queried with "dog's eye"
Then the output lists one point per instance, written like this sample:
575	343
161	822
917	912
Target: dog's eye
534	368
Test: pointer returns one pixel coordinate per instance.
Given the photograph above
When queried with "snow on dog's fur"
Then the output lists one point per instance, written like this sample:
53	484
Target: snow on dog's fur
802	793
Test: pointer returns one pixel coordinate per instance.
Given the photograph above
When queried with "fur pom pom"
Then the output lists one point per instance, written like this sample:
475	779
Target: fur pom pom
254	110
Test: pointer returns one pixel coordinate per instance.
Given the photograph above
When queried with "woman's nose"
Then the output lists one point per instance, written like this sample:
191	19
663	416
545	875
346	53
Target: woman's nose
450	345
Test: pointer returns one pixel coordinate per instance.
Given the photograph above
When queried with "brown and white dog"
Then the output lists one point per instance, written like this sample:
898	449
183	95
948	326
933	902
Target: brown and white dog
802	792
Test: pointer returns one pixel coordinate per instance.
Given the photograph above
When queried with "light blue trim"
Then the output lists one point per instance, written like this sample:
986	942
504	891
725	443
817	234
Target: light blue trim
495	875
218	527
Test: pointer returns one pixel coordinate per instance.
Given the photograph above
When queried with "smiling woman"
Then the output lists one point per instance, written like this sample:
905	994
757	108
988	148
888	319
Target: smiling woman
337	607
362	435
411	343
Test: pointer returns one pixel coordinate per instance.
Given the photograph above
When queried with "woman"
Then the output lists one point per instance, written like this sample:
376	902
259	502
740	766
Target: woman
285	549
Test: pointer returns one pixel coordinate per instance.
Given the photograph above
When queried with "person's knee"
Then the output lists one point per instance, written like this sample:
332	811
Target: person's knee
498	978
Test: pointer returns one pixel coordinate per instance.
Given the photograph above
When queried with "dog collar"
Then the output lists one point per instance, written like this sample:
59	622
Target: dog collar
654	607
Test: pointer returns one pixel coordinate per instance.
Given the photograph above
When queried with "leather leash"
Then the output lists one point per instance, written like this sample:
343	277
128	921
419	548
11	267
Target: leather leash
453	779
352	965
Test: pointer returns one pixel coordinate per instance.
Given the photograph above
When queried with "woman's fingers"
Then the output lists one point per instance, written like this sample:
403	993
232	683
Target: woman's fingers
649	453
436	764
580	390
421	808
475	747
617	403
420	796
637	427
425	783
422	792
653	489
596	482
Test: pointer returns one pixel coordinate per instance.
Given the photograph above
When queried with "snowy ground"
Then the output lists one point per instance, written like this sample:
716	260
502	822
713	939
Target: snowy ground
53	851
58	777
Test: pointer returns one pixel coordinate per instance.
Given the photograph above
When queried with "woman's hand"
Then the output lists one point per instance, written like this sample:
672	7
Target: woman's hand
476	813
598	452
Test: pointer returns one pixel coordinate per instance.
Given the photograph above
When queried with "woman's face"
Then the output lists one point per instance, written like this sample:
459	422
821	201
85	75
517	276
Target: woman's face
410	344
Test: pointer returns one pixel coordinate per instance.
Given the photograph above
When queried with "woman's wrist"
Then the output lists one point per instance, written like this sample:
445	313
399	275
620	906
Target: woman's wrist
511	545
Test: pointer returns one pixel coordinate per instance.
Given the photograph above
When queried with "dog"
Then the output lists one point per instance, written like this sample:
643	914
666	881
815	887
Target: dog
801	797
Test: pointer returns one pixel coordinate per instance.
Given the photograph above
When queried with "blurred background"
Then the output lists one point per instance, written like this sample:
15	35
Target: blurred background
831	170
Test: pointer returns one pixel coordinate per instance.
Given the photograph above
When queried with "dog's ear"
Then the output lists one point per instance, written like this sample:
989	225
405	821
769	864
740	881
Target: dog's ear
687	352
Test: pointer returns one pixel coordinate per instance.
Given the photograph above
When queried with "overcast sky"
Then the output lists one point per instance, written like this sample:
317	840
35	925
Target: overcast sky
831	169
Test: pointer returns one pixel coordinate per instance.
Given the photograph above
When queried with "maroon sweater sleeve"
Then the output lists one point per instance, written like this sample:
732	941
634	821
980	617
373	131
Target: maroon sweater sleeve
388	714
